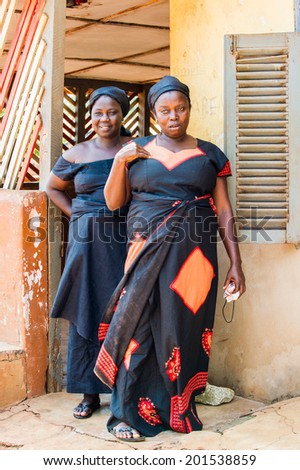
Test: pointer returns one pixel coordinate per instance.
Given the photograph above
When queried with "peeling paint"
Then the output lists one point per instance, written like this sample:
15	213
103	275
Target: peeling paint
31	287
35	276
26	310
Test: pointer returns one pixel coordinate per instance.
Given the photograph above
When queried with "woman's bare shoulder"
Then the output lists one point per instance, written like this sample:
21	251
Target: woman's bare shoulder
74	154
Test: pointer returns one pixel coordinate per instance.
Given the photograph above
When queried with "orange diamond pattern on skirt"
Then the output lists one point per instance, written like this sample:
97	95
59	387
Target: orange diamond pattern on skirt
193	280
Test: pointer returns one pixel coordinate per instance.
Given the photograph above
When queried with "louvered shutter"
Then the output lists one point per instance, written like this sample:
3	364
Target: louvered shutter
261	125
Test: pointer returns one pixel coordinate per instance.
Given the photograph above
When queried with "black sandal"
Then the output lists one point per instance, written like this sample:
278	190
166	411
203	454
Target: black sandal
87	408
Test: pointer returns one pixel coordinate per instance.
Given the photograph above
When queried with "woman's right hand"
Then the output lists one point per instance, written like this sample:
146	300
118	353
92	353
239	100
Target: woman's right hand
131	152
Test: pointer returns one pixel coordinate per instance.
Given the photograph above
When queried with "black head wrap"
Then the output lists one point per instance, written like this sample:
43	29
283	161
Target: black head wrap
167	83
113	92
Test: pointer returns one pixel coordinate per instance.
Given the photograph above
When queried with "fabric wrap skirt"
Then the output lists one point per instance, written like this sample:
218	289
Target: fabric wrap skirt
157	330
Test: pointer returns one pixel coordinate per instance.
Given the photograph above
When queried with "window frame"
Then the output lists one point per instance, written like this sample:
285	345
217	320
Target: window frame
291	232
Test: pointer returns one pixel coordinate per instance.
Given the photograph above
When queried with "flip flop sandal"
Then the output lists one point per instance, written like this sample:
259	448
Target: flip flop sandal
87	408
126	439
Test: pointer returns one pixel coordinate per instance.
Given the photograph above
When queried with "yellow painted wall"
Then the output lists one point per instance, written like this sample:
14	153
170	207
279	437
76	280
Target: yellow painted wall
258	354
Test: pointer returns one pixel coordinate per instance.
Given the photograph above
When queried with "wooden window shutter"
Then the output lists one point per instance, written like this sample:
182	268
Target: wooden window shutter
262	134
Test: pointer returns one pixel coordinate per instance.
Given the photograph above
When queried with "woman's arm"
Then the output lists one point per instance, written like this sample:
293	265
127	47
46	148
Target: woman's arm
56	191
226	227
56	187
117	188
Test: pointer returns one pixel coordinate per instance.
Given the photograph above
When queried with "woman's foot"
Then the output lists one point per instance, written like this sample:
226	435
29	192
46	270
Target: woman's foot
124	432
87	406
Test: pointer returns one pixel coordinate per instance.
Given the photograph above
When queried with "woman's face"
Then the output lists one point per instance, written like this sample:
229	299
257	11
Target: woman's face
106	117
172	111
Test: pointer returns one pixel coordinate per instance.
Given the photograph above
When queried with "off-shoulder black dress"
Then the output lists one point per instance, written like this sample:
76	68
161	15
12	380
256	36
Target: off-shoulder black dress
94	265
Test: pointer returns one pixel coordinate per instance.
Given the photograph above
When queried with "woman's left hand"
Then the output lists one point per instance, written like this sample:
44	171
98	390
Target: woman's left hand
236	275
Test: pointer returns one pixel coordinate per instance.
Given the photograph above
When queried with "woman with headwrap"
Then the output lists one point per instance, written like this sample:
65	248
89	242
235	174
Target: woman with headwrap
96	241
158	326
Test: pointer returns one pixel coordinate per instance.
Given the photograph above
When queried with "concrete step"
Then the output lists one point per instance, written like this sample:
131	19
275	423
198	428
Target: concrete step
12	374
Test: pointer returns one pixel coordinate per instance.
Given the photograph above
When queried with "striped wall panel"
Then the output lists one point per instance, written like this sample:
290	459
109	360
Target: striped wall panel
22	88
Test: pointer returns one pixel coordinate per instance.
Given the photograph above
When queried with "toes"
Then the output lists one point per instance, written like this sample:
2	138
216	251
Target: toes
79	412
82	410
124	431
123	434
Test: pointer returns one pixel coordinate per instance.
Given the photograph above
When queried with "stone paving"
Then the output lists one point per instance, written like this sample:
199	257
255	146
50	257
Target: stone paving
47	423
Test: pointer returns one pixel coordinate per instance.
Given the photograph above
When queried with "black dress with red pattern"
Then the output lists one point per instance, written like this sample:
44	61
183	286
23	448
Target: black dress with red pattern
157	329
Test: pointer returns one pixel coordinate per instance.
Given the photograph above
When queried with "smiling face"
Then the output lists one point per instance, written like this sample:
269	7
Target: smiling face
172	111
106	117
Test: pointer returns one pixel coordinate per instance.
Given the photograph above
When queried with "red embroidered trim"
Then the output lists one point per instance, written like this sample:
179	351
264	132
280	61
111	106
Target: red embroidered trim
102	331
175	422
148	412
173	365
206	340
205	196
188	425
226	170
179	425
106	365
179	404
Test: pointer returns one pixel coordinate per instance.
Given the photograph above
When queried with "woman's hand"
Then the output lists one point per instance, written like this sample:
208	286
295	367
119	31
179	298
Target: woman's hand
131	152
117	190
236	275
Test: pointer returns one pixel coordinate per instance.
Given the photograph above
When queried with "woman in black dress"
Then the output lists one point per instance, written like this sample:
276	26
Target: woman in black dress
157	329
97	241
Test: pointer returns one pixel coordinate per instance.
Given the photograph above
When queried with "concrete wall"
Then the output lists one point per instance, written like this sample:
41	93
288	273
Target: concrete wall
23	295
258	354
